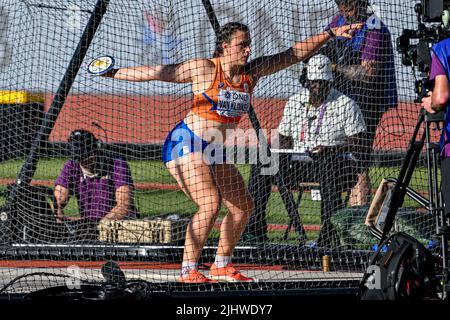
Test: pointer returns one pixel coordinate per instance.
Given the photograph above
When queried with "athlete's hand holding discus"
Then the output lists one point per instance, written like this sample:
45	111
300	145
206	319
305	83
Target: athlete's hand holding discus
102	66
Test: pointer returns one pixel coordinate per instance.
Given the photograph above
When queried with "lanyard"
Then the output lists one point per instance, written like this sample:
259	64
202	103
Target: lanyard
323	109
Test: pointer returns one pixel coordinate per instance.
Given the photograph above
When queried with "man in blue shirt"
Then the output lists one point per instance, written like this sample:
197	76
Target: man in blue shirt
364	71
438	100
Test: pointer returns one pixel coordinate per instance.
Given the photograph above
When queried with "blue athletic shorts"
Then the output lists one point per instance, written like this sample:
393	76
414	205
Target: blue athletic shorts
182	141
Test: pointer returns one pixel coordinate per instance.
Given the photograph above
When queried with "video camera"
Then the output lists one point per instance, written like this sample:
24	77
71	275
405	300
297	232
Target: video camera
417	53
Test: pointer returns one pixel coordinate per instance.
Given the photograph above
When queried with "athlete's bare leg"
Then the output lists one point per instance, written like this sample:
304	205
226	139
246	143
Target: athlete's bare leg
238	201
196	180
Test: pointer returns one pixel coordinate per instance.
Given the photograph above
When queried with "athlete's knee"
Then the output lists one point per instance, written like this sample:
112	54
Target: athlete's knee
210	205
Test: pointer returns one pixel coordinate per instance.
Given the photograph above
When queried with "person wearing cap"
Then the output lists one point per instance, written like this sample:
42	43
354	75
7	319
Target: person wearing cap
330	125
365	71
101	183
327	124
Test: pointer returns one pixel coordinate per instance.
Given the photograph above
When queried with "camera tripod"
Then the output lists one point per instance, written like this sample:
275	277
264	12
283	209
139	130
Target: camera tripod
435	201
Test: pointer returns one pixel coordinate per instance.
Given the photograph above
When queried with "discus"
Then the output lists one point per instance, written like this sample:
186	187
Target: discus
101	65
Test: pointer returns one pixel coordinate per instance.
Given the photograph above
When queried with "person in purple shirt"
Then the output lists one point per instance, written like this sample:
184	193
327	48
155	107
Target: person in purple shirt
439	99
101	183
364	71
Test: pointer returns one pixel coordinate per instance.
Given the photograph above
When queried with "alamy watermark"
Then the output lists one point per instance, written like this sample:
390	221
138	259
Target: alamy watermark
373	281
74	279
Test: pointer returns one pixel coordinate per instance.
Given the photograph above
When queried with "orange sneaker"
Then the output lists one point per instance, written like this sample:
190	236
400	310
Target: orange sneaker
195	276
228	273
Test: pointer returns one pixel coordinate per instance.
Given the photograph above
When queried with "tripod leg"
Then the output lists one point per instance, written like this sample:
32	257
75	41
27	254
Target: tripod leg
260	188
288	228
291	222
405	175
291	208
442	223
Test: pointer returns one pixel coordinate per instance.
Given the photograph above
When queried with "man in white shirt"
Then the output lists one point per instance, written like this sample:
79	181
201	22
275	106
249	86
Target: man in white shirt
329	125
320	116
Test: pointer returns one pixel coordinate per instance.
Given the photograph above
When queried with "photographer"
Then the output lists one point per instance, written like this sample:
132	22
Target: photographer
101	183
438	100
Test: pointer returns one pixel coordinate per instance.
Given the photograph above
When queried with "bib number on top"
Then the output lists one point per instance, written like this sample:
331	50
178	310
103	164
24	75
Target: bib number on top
233	103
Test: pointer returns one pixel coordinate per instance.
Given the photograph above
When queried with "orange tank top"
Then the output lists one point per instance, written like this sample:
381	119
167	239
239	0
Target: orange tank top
222	101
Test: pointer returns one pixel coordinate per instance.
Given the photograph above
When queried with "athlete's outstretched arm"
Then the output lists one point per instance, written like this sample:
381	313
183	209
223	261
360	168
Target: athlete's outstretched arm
179	73
300	51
